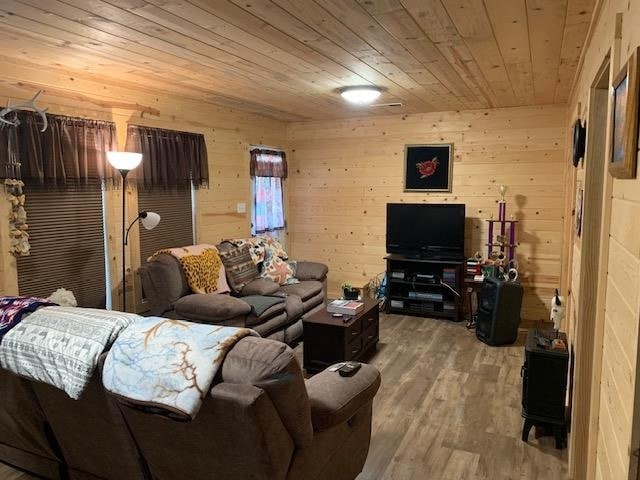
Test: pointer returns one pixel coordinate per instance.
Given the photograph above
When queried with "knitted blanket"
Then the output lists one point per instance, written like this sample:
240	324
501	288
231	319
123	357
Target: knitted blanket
202	267
12	309
261	303
168	364
61	345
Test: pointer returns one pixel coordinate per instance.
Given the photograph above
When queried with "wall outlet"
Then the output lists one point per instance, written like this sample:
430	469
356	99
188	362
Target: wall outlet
241	207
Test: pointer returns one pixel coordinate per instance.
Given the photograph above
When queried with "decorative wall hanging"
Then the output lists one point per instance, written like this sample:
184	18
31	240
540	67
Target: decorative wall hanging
579	141
17	218
427	168
28	105
624	120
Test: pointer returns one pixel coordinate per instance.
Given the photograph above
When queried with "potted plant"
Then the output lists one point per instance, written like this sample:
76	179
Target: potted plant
349	292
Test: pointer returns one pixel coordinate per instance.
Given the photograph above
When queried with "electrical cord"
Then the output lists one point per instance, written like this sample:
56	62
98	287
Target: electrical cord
450	288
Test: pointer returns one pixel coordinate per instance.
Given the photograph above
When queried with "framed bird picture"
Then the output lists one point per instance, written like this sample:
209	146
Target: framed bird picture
427	168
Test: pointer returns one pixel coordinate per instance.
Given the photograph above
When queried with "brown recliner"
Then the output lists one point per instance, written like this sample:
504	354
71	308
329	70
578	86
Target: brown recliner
168	295
26	440
262	420
91	433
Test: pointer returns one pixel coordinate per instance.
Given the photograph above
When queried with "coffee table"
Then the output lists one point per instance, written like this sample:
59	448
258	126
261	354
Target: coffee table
328	340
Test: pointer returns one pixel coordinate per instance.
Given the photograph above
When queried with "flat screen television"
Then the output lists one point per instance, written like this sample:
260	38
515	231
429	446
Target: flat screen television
426	230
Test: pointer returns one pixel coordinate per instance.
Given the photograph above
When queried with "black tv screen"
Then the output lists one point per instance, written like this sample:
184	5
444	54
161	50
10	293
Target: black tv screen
430	230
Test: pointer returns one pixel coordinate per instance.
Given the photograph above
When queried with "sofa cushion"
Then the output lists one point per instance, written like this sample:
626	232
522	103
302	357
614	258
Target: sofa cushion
260	286
239	266
211	307
305	289
272	366
164	282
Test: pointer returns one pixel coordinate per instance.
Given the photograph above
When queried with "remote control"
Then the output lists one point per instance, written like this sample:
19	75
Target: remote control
348	369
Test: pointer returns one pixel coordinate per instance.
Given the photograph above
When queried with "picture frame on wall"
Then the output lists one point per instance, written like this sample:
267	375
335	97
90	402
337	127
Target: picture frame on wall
428	168
624	120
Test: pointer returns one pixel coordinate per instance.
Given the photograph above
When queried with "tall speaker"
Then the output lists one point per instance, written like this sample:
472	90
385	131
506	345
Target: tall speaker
498	317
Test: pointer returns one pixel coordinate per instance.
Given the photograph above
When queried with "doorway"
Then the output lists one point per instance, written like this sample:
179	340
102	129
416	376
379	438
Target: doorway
592	244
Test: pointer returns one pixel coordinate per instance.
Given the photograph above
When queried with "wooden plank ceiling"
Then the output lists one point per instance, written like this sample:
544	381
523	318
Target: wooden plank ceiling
287	58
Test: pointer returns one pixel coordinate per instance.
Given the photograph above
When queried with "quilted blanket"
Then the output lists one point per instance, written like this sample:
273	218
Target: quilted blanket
168	364
61	345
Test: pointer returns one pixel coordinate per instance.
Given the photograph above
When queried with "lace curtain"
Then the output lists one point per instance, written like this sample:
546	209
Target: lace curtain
268	168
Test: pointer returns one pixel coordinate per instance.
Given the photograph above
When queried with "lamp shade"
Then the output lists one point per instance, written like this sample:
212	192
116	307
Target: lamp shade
150	220
360	95
124	160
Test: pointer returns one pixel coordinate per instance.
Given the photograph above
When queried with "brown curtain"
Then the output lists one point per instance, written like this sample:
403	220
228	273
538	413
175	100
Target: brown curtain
268	163
71	150
170	158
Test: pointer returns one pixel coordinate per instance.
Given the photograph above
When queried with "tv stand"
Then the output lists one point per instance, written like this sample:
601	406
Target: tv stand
424	286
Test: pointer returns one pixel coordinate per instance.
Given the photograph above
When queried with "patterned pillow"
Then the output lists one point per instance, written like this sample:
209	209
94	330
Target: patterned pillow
255	245
238	264
275	247
258	247
278	270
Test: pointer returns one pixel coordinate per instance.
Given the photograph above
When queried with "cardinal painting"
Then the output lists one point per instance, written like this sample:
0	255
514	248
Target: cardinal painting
428	168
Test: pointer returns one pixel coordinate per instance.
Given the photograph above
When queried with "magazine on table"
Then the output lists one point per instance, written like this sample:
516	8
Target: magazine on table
346	307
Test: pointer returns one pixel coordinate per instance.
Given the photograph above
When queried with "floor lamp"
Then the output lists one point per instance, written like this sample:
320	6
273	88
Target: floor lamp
124	162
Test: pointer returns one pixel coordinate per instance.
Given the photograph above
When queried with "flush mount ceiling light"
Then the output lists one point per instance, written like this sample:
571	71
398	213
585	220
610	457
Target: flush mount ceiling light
360	95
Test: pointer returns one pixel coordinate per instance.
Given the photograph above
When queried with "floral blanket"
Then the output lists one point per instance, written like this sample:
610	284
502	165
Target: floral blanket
12	309
168	364
61	345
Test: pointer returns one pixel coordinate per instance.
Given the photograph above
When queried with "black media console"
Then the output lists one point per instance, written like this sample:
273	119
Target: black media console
424	287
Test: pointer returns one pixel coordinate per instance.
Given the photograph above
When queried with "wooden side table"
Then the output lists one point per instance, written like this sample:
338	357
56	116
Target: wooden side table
328	340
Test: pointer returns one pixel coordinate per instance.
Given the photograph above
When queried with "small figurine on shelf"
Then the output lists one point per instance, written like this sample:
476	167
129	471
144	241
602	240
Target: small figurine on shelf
502	204
557	311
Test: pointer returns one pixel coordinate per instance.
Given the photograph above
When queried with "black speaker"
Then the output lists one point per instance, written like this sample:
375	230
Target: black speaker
498	317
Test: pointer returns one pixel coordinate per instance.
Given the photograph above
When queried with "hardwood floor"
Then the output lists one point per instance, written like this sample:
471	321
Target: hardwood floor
448	409
8	473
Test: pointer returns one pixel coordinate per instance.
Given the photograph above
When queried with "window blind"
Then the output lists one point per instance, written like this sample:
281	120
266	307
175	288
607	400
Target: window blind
67	243
176	223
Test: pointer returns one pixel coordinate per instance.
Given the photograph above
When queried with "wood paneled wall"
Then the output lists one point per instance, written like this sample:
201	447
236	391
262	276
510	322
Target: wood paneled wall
228	134
615	368
343	173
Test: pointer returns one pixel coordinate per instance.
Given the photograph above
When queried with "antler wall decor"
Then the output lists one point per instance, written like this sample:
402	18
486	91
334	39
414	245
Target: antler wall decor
28	105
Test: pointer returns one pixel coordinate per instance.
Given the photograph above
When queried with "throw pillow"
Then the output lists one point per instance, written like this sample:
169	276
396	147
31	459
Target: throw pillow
238	264
275	247
278	270
256	248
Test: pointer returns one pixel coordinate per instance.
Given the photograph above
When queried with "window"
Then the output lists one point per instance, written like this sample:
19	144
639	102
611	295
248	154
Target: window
268	169
175	207
64	169
67	243
174	164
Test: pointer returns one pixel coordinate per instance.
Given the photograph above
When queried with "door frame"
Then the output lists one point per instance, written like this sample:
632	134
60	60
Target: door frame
589	328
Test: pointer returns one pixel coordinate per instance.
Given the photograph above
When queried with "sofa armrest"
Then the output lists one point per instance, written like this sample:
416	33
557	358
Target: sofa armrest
335	399
311	271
